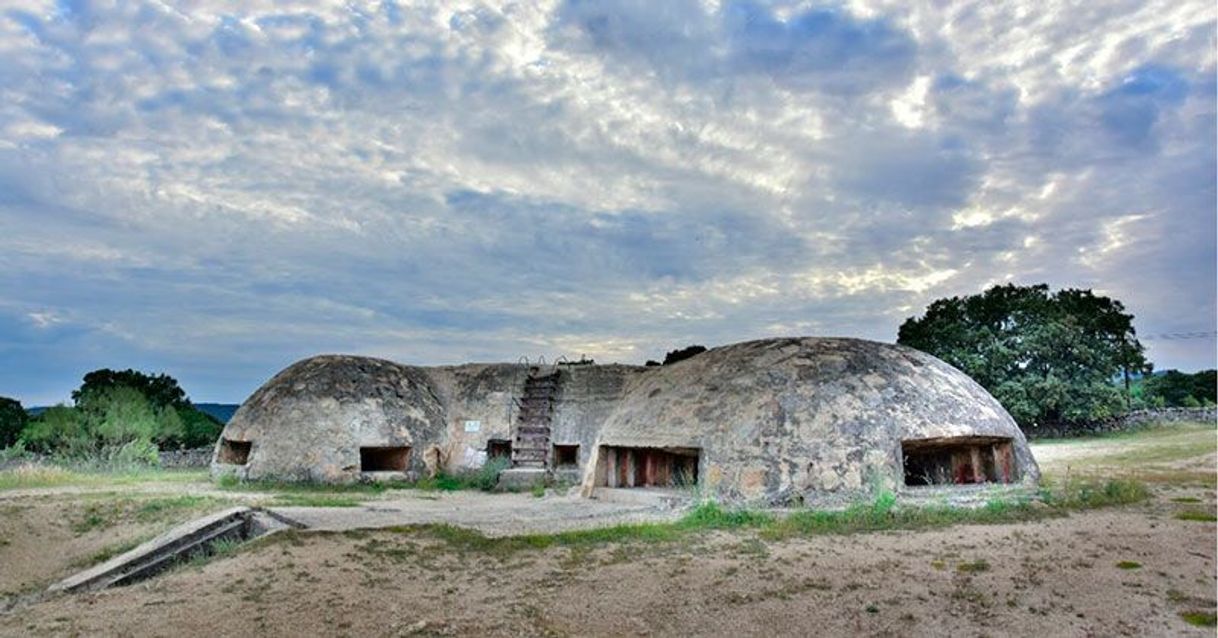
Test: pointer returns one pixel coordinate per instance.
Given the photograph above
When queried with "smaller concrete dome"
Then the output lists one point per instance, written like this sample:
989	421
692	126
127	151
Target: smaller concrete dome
330	418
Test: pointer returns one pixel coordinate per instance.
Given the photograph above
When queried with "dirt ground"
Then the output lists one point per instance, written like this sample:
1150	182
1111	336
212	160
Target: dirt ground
1120	571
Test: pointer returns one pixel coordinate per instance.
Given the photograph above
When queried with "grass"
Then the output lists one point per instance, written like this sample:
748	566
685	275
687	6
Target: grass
110	551
878	515
316	500
1153	431
1153	454
1129	564
231	483
484	479
979	565
104	513
30	475
1200	618
1079	493
1196	515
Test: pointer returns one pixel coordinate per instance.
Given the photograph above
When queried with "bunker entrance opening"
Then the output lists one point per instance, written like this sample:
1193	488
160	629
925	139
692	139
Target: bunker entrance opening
384	459
566	455
647	467
958	460
498	449
235	452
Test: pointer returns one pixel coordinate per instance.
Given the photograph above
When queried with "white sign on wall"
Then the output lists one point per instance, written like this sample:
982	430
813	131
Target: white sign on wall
473	426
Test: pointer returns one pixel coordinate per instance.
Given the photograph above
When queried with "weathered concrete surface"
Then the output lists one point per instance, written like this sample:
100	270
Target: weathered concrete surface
309	421
522	478
161	551
491	514
810	418
778	420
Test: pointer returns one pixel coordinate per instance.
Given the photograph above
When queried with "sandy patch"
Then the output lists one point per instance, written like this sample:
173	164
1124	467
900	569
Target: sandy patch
1048	578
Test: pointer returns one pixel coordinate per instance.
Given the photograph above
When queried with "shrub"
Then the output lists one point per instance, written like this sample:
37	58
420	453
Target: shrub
112	427
12	421
199	428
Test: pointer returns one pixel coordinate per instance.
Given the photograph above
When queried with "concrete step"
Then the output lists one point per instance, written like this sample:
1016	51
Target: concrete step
518	478
180	543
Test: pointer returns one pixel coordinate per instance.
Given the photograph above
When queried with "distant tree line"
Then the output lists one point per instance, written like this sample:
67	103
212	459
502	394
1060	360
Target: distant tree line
117	416
1175	389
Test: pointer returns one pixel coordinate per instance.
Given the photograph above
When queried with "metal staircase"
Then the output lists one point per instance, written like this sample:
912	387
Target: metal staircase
535	409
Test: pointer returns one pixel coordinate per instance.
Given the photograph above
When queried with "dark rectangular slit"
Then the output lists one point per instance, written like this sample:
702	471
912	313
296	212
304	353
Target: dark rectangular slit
498	449
958	460
235	452
384	459
566	455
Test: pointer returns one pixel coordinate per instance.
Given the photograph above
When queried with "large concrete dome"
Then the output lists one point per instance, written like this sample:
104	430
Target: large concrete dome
784	419
314	420
779	420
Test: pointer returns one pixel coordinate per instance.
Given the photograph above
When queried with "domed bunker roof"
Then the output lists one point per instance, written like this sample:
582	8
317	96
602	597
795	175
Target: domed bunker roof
331	418
776	419
785	419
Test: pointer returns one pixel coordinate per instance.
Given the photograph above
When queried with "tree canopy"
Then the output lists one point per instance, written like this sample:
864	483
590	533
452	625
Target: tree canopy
12	421
1048	357
122	416
160	389
1180	389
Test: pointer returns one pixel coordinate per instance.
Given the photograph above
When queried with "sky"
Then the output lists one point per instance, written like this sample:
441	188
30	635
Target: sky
215	189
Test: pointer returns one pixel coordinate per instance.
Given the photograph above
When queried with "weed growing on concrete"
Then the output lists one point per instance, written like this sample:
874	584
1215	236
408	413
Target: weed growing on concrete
1196	515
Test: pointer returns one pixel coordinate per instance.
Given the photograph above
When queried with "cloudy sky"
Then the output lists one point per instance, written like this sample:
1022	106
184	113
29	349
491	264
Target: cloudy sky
216	189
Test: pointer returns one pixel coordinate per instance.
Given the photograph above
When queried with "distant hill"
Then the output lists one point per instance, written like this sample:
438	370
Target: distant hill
221	411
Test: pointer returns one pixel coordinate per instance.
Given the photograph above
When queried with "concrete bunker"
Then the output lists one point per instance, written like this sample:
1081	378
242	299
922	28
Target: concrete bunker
234	452
389	458
648	467
782	420
958	460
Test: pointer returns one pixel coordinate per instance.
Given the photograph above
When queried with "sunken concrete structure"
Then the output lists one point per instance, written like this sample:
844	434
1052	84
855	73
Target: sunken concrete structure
774	420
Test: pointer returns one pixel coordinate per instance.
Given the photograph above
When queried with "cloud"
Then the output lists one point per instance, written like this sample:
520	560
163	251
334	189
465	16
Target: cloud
823	49
219	190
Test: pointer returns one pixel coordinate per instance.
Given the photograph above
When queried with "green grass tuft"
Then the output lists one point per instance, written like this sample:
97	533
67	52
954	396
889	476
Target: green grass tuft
979	565
1200	618
1196	515
1128	564
316	500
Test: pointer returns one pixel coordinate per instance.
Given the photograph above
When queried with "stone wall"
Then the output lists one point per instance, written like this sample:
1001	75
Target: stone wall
182	459
1131	421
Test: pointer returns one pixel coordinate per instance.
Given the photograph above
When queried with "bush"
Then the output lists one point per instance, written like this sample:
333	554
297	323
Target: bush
12	421
59	429
199	428
115	426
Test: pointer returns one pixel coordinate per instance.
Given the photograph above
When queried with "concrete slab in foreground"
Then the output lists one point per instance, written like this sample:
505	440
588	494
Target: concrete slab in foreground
491	514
